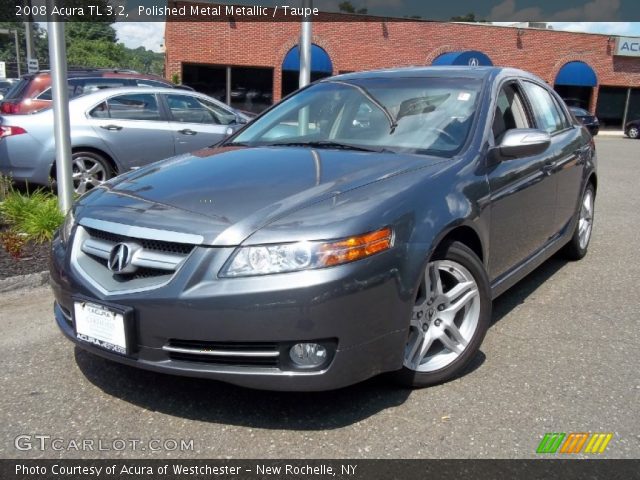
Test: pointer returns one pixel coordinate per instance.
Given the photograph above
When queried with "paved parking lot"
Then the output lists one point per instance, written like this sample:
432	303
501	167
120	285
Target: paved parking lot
562	356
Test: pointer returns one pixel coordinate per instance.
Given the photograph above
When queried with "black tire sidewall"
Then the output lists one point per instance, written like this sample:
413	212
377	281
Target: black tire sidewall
463	255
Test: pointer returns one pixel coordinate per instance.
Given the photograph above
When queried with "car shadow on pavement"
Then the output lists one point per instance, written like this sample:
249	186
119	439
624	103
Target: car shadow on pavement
218	402
519	293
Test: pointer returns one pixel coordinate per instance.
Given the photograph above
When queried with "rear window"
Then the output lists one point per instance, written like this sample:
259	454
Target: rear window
18	89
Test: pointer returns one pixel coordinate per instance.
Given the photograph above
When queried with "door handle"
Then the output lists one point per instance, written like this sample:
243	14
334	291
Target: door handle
111	127
548	168
187	131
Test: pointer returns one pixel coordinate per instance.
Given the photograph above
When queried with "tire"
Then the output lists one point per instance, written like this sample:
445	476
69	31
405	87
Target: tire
633	132
579	243
89	169
448	321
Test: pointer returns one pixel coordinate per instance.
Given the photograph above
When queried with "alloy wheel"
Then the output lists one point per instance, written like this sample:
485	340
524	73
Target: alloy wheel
87	173
445	317
633	132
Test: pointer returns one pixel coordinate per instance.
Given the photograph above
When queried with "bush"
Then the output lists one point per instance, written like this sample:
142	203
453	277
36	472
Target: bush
34	214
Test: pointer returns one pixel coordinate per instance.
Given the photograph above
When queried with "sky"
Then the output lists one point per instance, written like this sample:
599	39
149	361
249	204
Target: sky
151	34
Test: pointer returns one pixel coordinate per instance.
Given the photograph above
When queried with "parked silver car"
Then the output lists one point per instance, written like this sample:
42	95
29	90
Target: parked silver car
113	131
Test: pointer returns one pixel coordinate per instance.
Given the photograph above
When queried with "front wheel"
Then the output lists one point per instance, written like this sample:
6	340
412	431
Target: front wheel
633	132
451	315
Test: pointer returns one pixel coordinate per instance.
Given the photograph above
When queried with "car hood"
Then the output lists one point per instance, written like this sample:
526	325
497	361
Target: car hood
227	194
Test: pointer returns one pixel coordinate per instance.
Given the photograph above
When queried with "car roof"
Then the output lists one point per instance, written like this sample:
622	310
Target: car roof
437	71
88	99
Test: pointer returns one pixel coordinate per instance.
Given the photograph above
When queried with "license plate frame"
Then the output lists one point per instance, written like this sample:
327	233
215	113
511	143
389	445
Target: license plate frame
103	325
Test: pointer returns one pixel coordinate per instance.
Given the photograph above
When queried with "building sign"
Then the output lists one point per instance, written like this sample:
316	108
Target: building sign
3	70
628	46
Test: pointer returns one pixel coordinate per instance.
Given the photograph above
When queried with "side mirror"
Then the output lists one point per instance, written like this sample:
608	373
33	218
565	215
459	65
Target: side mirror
522	142
241	120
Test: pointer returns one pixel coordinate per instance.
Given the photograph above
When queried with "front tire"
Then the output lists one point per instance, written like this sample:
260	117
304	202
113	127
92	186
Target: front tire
633	132
579	243
450	318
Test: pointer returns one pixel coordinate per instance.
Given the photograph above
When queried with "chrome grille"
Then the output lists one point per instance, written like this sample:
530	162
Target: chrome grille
149	262
156	245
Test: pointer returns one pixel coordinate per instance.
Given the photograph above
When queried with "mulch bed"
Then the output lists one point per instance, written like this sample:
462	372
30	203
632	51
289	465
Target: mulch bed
34	259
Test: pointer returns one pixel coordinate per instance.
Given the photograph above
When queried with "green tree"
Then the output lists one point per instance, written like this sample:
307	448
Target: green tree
347	7
8	50
90	31
469	17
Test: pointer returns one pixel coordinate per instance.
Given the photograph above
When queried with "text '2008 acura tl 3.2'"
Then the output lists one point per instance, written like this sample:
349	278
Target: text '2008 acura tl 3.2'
362	225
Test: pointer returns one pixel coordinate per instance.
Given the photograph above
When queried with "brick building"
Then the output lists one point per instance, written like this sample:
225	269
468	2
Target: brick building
252	64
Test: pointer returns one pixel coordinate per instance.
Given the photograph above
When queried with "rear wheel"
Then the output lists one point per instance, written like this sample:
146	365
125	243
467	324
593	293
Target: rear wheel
633	132
450	317
90	169
579	243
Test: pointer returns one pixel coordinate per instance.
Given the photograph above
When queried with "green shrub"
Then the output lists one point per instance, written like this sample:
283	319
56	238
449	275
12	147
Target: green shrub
41	223
35	214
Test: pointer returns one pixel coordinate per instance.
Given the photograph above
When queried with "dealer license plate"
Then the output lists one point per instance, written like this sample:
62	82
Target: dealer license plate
100	326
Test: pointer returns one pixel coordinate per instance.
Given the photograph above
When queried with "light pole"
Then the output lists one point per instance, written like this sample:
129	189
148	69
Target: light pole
60	96
304	47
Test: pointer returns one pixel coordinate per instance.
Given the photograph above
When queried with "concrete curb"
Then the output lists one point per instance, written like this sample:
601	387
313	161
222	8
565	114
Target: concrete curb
31	280
610	133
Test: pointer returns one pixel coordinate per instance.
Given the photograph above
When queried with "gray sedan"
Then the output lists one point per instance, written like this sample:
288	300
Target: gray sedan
113	131
362	225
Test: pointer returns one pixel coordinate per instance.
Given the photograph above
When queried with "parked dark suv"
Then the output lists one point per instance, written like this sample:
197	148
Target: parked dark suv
362	225
33	91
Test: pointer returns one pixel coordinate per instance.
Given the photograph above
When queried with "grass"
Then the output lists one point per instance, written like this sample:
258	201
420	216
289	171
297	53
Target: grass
34	215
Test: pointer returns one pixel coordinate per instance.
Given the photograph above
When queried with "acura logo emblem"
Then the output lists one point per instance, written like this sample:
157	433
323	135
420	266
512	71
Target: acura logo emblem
474	62
120	259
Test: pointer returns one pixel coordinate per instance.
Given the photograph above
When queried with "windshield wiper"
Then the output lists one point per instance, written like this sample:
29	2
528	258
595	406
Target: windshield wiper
393	123
327	144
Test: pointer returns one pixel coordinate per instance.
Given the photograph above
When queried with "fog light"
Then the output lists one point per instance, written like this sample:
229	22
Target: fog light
308	354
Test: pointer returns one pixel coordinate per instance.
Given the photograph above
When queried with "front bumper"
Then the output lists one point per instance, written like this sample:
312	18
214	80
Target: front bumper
359	309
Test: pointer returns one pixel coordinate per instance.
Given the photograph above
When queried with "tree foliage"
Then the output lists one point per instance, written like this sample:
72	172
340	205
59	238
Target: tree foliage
469	17
347	7
89	44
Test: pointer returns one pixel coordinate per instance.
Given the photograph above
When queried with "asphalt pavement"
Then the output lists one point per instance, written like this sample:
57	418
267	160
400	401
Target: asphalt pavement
561	356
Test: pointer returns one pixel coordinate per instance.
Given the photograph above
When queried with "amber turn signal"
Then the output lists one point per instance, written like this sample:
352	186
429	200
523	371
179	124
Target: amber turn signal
356	248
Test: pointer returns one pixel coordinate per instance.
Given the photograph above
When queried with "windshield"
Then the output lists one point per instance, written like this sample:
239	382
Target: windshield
417	115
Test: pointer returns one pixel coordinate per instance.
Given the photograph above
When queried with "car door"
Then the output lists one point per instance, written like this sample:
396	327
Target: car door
522	193
134	128
197	122
570	152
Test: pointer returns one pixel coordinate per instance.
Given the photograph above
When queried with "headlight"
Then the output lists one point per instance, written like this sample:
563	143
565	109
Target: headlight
67	226
292	257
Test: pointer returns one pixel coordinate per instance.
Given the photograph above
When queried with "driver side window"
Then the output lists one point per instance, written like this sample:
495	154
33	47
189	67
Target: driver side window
509	113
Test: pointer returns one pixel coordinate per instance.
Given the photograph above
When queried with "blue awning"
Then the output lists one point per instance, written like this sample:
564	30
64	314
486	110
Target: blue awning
577	74
320	61
468	57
